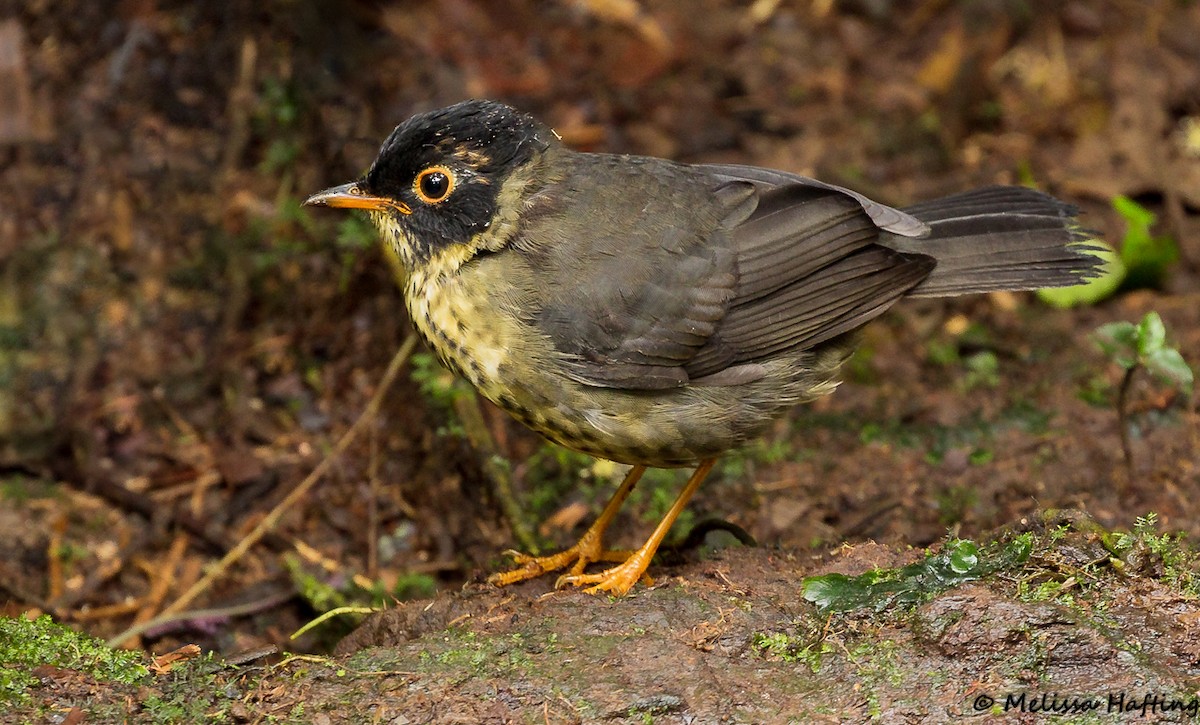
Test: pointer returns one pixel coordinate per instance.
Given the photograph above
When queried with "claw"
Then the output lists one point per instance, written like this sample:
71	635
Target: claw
577	557
588	549
518	557
617	580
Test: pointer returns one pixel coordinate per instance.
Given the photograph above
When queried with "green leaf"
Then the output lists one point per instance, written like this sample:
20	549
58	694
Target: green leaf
1145	256
1168	365
1119	342
1151	335
964	557
1019	550
1112	274
838	592
1136	216
1145	345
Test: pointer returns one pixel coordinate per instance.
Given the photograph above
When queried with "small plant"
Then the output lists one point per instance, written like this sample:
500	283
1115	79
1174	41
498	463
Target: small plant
440	386
354	236
1141	346
983	370
1145	256
1166	556
954	502
277	119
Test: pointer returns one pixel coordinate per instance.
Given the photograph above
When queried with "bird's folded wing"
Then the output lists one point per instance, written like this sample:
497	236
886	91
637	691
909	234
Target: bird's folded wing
809	269
732	277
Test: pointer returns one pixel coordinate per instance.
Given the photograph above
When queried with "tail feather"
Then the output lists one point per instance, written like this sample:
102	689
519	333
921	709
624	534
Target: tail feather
1000	238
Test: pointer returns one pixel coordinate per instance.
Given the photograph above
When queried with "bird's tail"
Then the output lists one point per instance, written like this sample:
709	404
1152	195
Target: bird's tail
999	238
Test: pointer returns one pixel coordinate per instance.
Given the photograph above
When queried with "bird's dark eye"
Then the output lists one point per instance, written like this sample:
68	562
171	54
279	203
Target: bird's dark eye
434	184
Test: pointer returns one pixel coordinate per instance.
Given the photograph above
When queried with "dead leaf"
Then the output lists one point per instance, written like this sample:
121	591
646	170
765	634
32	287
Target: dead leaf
565	519
163	664
941	68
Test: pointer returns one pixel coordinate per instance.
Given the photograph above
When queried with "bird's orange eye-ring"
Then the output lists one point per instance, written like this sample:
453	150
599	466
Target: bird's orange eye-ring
434	184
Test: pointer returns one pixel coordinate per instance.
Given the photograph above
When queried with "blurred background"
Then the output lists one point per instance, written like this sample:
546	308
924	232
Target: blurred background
181	342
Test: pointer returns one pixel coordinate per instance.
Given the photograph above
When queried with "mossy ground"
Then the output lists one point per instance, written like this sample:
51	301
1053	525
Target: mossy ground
1054	605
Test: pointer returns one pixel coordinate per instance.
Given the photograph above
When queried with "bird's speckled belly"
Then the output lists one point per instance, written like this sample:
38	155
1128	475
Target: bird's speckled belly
518	370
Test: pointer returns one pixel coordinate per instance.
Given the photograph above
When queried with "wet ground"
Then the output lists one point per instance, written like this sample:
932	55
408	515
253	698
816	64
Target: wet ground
181	344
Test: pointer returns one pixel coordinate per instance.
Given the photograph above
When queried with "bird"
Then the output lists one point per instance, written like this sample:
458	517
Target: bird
657	313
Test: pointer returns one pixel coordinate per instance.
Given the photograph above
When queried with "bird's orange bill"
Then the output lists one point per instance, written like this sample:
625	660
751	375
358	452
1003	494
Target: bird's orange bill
351	196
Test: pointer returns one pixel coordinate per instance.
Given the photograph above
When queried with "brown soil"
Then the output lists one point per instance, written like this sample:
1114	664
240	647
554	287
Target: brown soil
180	344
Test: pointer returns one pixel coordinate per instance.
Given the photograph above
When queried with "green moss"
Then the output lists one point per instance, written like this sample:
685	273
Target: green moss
25	644
959	561
877	662
193	691
1033	658
792	648
483	656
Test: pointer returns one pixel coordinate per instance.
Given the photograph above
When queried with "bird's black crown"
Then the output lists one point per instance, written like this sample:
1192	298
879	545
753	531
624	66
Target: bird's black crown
502	135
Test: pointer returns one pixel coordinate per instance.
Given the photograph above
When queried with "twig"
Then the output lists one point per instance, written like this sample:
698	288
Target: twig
108	611
54	553
269	521
162	579
335	612
1123	420
373	507
235	610
240	105
480	438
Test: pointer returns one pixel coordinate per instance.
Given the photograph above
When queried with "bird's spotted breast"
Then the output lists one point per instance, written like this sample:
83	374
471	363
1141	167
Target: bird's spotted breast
456	328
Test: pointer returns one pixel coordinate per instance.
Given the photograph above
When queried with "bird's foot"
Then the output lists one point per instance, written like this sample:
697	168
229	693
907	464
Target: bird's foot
584	552
617	580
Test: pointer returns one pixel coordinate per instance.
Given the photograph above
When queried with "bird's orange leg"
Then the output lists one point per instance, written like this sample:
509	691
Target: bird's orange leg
620	579
588	549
